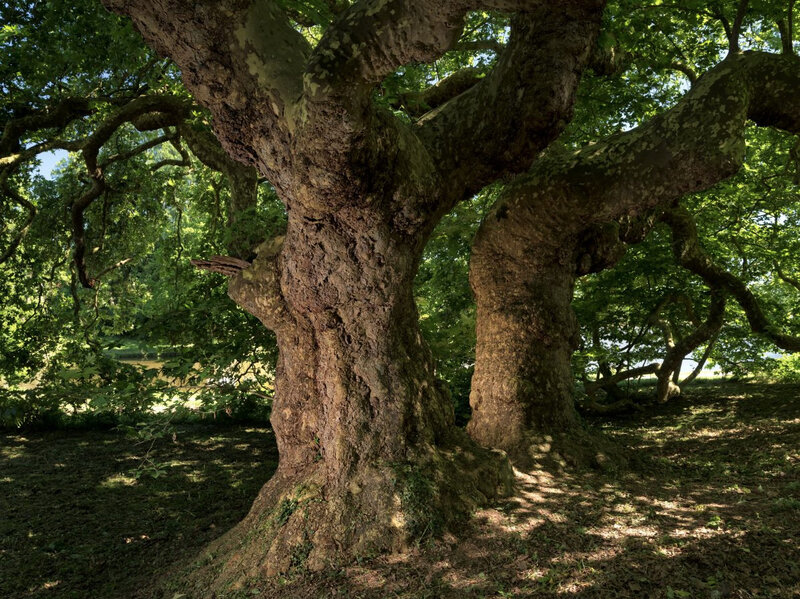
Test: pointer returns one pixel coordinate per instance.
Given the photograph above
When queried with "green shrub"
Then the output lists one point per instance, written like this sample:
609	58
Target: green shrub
785	369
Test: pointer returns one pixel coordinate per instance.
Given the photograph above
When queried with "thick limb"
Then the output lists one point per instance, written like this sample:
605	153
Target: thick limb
472	138
544	216
691	255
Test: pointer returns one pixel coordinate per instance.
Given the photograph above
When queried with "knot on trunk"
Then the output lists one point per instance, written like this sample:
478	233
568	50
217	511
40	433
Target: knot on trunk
224	265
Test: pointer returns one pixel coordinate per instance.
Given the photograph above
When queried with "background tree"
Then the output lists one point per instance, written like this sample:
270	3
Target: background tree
128	223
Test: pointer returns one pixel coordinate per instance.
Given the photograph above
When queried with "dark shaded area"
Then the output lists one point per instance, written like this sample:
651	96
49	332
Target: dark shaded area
77	522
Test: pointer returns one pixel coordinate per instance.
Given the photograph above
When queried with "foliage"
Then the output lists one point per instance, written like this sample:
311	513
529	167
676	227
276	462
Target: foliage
750	224
447	310
785	369
59	343
156	333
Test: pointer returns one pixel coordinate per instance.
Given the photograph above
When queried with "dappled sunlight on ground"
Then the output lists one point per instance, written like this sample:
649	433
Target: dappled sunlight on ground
710	508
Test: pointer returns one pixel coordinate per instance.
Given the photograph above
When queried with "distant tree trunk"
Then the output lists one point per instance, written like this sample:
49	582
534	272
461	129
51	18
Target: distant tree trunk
557	223
523	276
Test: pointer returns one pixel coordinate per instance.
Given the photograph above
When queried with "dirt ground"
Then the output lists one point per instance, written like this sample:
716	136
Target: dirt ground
710	507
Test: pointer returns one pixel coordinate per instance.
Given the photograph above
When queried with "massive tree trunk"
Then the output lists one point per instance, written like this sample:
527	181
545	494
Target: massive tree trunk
556	223
526	335
369	454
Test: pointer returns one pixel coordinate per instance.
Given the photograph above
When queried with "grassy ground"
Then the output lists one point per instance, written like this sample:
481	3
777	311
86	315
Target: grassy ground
76	521
711	509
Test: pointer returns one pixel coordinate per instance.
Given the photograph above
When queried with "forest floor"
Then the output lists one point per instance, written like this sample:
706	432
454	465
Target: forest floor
710	508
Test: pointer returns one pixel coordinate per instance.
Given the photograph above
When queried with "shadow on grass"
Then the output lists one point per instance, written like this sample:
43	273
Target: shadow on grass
712	511
76	522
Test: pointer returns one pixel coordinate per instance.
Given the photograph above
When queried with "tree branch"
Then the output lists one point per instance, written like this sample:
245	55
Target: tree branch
685	69
499	125
242	182
372	38
17	198
490	45
257	289
140	149
690	254
420	102
694	145
785	27
686	345
90	149
736	29
622	375
701	362
223	265
51	117
241	60
786	278
676	351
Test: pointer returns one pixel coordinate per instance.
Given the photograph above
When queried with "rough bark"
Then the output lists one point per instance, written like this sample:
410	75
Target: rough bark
519	395
370	457
499	125
539	226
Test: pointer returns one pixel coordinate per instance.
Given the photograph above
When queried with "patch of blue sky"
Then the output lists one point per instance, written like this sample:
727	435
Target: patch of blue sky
50	162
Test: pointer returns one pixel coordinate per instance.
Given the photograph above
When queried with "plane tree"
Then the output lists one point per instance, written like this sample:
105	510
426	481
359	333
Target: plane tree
576	211
372	121
370	456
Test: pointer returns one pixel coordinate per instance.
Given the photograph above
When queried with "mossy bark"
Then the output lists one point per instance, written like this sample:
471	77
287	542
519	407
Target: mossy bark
562	219
370	457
